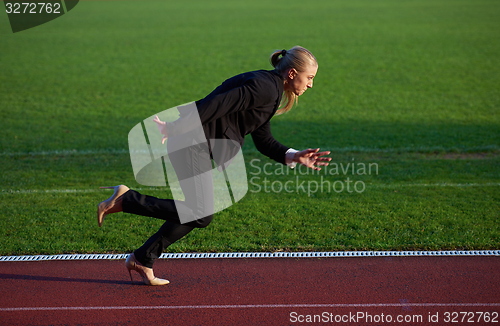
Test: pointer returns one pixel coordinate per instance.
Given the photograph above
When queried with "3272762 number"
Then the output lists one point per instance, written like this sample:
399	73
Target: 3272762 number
33	8
471	317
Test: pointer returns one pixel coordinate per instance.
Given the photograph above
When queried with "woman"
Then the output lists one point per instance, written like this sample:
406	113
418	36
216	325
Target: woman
243	104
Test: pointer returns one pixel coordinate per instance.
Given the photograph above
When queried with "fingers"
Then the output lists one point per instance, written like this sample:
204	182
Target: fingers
315	152
310	151
324	160
315	158
158	121
161	127
323	153
318	156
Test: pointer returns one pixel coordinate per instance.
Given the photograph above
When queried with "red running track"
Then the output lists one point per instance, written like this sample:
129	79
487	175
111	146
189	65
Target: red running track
305	291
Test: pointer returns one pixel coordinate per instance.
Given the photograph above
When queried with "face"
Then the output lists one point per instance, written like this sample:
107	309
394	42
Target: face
299	82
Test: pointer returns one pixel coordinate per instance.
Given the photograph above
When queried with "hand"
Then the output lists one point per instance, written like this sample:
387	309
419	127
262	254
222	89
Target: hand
312	158
162	126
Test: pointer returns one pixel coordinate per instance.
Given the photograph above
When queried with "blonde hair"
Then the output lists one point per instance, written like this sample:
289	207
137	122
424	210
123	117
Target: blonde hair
298	58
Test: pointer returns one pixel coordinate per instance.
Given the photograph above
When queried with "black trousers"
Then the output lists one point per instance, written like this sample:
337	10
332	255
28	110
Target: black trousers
192	164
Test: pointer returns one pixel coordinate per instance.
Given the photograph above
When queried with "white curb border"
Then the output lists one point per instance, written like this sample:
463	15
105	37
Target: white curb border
327	254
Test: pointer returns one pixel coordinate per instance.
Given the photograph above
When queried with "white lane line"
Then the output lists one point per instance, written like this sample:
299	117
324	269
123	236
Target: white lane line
253	306
422	149
75	191
46	191
443	184
67	191
66	152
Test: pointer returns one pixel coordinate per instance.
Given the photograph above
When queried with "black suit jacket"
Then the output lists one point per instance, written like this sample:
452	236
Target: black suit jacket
243	105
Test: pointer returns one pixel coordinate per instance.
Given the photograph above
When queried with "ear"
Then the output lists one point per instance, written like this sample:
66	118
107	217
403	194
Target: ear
292	73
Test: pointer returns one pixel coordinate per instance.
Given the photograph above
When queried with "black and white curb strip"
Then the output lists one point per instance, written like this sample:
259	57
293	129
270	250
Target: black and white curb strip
327	254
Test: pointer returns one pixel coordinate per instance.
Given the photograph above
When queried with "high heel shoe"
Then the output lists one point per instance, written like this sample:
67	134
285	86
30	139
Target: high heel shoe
112	204
146	273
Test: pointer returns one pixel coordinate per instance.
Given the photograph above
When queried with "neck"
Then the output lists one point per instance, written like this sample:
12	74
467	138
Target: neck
285	83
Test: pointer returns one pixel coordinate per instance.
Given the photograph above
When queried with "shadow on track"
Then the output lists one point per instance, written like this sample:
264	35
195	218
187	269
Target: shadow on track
59	279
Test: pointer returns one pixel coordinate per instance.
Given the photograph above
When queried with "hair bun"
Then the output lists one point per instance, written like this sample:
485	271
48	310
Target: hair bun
283	52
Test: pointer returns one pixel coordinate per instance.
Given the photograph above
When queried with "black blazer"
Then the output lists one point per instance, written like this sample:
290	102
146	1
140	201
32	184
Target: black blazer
243	105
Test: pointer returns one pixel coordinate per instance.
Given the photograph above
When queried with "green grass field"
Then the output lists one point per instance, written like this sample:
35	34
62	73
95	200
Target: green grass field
410	87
